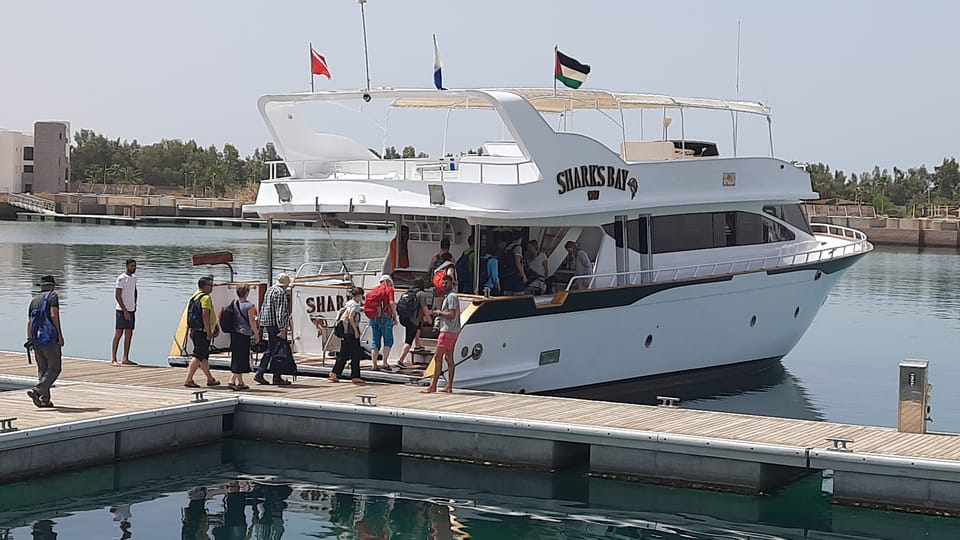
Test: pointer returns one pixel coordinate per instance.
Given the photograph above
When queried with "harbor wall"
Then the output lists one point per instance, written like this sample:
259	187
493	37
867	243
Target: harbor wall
890	231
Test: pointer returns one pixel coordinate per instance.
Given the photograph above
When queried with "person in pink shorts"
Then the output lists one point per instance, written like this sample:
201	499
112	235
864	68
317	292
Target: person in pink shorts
449	317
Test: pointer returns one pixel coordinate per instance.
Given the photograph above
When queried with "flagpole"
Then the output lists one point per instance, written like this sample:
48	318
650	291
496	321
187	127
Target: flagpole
366	59
310	44
554	71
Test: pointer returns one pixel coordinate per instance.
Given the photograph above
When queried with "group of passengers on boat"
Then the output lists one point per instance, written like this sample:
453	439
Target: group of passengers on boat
510	264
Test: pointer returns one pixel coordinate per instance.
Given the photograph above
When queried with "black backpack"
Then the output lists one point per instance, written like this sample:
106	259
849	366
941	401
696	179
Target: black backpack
340	327
465	272
407	305
228	317
195	312
507	262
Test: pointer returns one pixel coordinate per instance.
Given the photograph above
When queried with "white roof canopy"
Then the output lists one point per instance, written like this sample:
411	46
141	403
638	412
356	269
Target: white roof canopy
546	100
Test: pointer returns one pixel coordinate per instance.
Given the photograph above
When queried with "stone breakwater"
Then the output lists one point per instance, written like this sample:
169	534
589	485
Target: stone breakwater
889	231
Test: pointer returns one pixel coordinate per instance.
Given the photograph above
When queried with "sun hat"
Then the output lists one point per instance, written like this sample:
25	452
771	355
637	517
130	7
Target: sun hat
47	280
385	277
283	279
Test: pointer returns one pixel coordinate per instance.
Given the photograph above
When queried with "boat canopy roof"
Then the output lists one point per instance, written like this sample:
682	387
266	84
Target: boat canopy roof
548	100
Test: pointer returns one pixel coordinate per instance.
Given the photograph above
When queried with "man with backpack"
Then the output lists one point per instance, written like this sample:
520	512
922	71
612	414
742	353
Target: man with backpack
412	310
45	337
381	308
512	272
274	317
202	325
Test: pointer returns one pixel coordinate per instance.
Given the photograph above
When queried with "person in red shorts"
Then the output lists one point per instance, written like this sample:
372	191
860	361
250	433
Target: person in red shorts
449	316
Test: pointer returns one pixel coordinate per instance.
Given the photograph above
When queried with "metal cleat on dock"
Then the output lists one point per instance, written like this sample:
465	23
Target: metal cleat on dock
367	399
840	444
198	396
669	402
6	424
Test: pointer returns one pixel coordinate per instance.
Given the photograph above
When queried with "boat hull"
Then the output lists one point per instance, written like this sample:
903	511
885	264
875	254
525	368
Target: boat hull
669	328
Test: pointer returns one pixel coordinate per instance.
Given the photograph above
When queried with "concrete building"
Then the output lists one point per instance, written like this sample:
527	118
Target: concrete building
37	163
16	160
51	157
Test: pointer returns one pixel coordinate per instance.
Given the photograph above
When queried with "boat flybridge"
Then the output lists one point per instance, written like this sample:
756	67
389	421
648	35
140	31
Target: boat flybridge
696	260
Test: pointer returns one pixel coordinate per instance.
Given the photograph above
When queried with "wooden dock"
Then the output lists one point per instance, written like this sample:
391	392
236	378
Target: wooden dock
675	445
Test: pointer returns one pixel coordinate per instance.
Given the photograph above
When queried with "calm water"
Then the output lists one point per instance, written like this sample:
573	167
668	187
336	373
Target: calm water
240	490
894	304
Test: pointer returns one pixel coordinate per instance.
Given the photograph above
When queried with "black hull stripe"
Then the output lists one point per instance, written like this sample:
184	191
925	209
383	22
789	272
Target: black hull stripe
521	307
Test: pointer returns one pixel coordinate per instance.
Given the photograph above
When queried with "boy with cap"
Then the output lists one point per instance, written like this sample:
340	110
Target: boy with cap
49	359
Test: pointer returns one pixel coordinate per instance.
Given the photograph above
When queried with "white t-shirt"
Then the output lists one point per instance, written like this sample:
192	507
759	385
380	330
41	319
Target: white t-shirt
351	307
128	286
539	265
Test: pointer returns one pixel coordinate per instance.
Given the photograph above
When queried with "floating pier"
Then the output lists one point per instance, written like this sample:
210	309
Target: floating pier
106	413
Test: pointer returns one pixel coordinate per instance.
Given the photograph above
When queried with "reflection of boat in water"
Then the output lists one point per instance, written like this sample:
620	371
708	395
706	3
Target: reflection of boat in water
761	387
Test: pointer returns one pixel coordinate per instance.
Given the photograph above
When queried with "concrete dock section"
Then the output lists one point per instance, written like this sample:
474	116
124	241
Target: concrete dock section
126	411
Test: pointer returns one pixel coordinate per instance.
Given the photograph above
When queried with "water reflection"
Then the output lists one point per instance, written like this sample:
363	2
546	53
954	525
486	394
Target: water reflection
226	491
766	388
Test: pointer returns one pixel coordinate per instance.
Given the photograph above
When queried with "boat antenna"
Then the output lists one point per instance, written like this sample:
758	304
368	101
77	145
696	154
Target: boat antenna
366	58
736	116
323	223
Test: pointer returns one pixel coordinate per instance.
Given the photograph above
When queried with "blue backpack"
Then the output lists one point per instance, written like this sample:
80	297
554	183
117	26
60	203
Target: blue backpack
44	331
465	272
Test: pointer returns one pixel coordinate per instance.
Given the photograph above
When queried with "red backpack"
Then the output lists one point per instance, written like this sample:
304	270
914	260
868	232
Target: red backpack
375	306
439	273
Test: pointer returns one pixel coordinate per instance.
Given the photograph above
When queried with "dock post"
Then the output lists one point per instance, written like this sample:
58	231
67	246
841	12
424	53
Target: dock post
269	251
913	403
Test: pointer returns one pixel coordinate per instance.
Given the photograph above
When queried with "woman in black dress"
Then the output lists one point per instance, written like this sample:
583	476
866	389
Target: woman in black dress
244	328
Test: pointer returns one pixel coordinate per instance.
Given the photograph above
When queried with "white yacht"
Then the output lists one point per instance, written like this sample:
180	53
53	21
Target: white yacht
698	260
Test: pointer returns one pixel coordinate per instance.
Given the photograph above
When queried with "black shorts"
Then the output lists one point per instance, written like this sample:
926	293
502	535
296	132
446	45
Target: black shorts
411	330
201	345
123	323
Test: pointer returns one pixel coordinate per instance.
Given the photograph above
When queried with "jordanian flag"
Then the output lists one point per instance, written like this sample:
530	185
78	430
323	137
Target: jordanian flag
570	71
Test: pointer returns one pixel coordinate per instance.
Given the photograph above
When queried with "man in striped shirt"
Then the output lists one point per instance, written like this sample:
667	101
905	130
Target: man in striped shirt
274	317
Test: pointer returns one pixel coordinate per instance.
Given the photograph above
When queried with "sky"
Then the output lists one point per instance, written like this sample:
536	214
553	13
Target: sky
852	84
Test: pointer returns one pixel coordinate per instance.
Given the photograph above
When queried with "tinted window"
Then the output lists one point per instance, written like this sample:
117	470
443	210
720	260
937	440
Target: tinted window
685	232
795	215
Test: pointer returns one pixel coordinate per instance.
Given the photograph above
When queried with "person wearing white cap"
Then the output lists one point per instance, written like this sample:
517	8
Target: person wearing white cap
274	317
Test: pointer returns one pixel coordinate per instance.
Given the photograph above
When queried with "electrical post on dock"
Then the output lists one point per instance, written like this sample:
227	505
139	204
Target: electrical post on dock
914	396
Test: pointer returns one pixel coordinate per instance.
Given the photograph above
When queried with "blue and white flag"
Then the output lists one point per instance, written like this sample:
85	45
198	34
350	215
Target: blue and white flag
437	66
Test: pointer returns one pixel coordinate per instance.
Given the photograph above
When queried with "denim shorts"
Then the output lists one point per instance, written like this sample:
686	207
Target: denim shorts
382	328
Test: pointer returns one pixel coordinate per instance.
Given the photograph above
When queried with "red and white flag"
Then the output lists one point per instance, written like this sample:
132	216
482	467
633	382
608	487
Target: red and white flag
318	64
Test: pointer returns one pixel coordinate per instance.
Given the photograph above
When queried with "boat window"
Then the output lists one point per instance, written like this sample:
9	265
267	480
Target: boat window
795	215
636	234
686	232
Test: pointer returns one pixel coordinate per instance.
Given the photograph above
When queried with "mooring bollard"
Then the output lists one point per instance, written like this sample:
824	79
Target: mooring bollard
367	399
840	444
6	424
198	396
668	402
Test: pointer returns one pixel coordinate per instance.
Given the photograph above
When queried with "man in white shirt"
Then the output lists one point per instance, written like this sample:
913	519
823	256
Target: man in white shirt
126	296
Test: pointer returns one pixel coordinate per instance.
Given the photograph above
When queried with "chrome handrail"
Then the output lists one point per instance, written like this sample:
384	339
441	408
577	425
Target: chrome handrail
406	168
781	260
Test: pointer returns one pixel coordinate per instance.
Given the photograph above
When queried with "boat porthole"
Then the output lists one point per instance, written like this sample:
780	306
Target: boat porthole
477	351
818	275
649	341
753	321
796	312
464	351
504	345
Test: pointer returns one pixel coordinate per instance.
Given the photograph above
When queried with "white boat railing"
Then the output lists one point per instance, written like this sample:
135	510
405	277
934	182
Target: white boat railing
858	243
327	268
449	169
